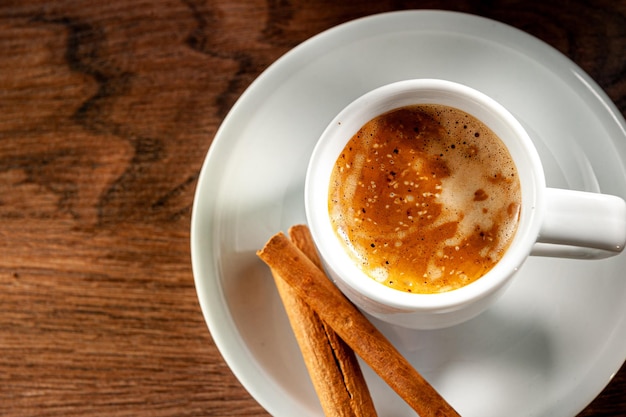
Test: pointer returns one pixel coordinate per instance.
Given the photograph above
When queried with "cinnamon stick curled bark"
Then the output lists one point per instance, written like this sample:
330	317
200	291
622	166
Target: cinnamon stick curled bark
332	365
313	286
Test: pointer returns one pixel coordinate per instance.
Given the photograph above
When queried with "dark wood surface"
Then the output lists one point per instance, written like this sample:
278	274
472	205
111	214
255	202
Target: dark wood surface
107	109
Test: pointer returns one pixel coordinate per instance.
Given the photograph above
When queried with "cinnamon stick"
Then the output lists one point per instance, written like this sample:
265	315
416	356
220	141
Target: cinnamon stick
332	365
314	287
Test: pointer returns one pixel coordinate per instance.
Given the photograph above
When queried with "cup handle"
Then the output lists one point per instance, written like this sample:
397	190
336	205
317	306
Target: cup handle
582	225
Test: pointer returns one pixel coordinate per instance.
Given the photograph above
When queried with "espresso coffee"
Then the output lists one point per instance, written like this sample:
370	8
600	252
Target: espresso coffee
426	198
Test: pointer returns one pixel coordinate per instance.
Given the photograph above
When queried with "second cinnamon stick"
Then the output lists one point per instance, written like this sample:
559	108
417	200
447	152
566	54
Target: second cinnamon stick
332	365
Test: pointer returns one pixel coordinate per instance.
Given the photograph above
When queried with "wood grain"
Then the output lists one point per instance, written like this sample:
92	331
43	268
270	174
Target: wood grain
107	109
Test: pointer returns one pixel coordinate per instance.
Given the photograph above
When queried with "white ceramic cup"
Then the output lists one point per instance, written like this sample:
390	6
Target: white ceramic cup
553	222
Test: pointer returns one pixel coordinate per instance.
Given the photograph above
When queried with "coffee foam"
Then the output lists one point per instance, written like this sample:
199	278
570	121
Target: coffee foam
426	198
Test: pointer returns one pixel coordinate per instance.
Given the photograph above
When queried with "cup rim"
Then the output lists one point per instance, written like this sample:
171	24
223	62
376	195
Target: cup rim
363	109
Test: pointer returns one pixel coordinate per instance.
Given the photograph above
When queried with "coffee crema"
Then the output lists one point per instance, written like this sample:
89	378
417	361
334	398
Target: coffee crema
426	198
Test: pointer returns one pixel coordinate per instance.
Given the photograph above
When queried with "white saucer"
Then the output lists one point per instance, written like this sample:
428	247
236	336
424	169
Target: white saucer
547	348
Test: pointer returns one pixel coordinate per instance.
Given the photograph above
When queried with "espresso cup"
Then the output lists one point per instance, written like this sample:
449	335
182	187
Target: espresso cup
551	222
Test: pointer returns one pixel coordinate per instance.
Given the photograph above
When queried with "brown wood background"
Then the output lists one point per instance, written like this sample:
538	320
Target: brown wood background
107	109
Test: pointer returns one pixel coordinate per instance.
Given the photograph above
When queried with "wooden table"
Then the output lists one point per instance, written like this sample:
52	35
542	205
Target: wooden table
107	109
